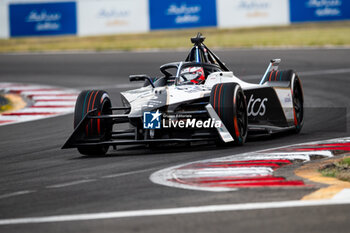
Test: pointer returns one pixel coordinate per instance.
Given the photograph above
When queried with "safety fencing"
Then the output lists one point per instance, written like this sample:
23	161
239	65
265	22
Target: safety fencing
102	17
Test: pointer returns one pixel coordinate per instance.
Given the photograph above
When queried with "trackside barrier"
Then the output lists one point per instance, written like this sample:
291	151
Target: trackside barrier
319	10
252	13
182	14
4	22
112	17
103	17
38	18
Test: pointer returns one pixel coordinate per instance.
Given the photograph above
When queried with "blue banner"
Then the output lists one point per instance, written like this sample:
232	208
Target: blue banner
182	13
319	10
38	19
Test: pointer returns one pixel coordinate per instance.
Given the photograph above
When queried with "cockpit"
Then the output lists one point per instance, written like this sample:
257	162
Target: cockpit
188	73
199	64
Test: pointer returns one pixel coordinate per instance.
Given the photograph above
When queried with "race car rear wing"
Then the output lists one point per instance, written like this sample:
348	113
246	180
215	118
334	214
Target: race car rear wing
274	63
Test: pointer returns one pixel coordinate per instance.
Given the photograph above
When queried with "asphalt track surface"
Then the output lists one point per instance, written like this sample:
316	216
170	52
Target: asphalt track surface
37	178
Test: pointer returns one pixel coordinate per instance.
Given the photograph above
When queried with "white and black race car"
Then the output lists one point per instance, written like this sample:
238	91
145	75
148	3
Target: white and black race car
198	99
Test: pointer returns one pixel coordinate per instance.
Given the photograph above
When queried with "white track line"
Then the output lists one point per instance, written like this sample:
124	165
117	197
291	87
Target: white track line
174	211
343	195
70	183
218	172
322	72
127	173
16	193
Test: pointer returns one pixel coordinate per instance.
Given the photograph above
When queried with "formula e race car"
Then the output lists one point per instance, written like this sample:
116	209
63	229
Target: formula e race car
198	99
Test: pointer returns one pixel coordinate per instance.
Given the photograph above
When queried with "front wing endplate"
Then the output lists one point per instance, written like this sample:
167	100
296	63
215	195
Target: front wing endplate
222	130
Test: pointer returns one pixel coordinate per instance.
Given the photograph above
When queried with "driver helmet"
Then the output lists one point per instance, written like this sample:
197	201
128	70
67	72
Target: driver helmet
194	74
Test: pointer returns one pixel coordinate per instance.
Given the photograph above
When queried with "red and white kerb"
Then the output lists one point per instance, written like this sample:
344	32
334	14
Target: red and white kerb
42	101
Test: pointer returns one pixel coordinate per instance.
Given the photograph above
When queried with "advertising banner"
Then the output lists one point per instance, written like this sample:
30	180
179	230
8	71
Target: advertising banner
319	10
112	16
182	14
4	30
35	19
251	13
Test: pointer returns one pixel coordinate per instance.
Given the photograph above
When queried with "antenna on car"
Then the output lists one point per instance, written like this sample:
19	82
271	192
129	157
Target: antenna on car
198	40
201	54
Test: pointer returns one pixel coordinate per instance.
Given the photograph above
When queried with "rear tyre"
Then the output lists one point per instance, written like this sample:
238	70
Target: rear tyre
96	128
279	75
230	104
298	103
297	93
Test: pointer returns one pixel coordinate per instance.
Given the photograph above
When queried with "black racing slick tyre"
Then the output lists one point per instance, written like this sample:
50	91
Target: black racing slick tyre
297	93
279	75
298	103
96	128
230	104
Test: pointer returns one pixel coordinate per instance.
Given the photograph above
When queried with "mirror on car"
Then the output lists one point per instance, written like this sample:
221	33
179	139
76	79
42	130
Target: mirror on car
141	77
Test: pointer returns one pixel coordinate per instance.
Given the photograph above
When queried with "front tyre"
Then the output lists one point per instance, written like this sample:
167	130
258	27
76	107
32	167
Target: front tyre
96	128
230	104
298	103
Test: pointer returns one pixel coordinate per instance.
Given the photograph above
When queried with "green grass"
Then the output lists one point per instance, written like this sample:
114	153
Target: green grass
346	162
309	34
339	170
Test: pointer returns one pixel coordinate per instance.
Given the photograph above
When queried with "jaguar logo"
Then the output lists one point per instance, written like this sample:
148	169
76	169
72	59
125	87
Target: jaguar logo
256	106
